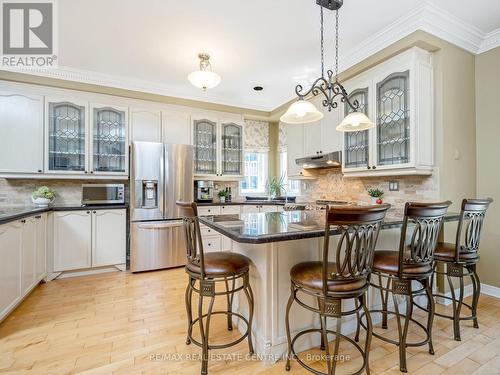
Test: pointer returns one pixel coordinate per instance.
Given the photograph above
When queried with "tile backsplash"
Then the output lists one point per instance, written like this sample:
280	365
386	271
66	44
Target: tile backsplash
331	184
18	192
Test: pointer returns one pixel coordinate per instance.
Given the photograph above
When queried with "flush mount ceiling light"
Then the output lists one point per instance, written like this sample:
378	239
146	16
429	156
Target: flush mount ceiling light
204	78
332	90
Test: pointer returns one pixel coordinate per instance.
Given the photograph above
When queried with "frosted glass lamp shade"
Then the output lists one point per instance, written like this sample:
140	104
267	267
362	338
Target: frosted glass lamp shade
204	79
301	112
354	122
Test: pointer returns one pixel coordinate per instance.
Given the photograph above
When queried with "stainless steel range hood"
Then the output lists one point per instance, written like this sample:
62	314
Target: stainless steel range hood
329	160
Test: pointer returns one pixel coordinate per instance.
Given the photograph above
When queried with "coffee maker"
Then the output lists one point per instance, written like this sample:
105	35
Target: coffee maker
204	191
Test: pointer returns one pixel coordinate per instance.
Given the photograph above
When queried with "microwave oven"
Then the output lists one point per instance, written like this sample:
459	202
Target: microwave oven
93	194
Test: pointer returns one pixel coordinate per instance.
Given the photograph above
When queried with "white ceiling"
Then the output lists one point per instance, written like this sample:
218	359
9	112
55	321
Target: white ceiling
151	45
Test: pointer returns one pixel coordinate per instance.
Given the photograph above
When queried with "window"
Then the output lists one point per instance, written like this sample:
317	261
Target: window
256	172
292	186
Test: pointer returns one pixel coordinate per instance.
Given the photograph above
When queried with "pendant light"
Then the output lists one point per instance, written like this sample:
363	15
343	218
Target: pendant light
329	86
204	78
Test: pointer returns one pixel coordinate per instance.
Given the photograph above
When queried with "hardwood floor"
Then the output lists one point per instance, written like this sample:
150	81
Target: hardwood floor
122	323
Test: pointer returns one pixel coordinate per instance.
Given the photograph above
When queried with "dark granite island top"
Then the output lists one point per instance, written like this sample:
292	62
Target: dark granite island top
257	228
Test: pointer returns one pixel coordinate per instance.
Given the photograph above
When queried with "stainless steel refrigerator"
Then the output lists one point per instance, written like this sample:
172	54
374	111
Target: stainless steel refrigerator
160	174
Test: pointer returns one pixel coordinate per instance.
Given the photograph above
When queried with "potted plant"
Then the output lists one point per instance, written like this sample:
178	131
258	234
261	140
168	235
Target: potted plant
43	196
275	186
376	195
222	195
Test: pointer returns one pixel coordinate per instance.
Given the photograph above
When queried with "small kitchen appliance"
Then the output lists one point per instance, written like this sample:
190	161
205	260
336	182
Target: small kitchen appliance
204	191
94	194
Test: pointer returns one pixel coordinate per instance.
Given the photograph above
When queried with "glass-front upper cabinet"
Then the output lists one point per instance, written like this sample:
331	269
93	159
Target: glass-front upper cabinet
109	145
205	146
393	120
66	135
356	144
231	149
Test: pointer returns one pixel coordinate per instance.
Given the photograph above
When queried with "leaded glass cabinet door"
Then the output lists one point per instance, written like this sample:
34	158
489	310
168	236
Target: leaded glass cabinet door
393	120
109	140
205	147
67	132
232	149
356	144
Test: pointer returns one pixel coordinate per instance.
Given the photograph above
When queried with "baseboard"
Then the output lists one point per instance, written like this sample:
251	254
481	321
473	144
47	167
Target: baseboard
490	290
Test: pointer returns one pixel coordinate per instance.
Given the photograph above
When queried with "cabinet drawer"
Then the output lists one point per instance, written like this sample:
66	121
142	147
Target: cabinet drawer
208	210
212	243
230	210
207	231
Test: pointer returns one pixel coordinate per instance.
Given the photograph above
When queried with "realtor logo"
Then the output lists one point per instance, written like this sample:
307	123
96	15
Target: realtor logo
28	33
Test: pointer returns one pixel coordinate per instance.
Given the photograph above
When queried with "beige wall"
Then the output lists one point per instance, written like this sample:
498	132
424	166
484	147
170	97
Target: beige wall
488	155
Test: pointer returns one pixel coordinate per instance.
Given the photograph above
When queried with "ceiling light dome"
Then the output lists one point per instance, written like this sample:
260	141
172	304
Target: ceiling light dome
301	112
354	122
204	78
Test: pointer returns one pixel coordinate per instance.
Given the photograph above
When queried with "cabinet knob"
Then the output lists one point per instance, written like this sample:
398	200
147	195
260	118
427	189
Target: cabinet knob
91	171
93	211
374	167
88	212
39	171
368	167
38	217
23	221
86	172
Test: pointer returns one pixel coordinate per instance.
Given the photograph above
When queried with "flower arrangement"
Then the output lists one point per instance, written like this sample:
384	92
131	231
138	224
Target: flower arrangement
376	195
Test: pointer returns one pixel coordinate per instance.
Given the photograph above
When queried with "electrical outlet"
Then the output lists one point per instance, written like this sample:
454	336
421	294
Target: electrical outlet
393	185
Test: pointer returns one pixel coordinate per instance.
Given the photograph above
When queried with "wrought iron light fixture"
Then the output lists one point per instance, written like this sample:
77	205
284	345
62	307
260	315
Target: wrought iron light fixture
204	78
303	111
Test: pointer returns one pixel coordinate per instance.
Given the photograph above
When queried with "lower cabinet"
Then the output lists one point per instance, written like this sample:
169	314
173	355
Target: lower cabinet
23	254
251	209
85	239
72	240
108	237
10	275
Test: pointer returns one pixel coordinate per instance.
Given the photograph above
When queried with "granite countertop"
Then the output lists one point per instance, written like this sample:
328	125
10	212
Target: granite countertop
12	213
256	228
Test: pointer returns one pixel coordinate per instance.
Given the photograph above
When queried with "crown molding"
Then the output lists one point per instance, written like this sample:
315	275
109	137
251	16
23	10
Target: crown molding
492	40
120	82
426	16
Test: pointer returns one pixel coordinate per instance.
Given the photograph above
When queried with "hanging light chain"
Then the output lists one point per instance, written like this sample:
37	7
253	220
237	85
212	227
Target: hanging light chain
322	44
336	44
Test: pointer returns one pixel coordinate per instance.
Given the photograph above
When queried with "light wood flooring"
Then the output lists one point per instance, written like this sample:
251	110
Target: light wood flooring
122	323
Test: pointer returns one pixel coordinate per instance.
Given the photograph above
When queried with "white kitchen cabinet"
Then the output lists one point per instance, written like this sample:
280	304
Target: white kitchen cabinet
312	139
295	149
252	209
66	136
398	96
176	127
108	140
212	243
218	148
28	254
89	238
10	266
41	246
108	237
72	240
230	210
21	129
208	210
145	125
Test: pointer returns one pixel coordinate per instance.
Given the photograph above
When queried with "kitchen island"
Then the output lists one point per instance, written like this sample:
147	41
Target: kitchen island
275	242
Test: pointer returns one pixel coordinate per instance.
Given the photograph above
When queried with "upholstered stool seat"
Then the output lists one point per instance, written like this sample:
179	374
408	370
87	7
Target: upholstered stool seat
387	261
309	275
446	251
222	264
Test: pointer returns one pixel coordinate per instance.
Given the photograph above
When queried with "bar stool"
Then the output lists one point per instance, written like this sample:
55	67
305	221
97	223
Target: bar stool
460	259
208	270
330	283
414	261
